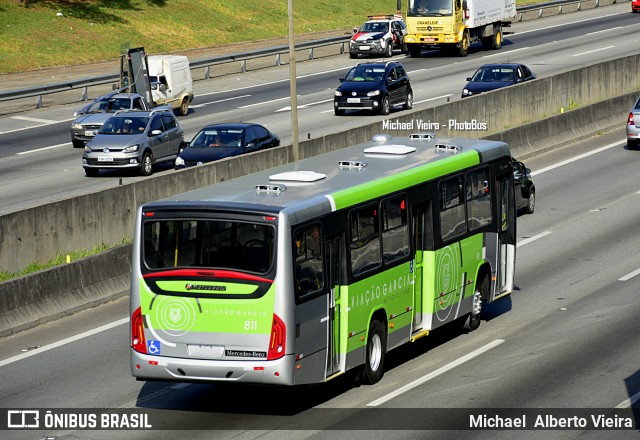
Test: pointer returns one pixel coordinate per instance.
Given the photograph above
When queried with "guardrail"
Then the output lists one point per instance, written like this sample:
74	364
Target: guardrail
278	51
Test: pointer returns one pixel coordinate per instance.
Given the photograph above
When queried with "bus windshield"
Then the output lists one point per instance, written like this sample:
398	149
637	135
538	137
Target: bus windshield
207	243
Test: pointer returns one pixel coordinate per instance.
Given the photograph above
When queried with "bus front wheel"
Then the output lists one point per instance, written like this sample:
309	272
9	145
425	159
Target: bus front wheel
373	369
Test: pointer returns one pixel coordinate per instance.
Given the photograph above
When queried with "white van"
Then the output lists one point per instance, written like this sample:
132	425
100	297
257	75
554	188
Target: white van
171	84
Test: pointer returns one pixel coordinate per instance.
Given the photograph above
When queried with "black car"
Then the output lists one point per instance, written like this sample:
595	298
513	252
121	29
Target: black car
218	141
374	86
525	188
495	76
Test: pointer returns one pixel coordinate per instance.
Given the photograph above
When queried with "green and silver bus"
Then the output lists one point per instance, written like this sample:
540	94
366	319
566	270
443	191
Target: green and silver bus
300	273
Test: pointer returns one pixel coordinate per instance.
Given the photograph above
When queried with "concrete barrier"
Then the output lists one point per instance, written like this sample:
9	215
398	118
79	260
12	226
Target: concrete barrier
53	293
527	116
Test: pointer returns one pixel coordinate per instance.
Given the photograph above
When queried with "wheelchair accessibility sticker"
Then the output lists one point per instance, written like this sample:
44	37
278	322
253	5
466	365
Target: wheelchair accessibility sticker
153	346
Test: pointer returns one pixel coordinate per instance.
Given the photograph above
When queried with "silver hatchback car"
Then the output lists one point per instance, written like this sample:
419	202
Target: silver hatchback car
633	126
134	140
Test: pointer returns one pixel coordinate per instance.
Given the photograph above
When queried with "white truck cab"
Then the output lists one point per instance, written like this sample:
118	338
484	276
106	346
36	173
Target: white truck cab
171	83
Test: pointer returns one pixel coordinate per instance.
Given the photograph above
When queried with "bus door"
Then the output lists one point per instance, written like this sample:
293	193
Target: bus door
418	227
506	257
334	248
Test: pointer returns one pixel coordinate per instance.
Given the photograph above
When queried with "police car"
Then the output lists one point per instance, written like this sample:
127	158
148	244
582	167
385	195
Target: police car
380	36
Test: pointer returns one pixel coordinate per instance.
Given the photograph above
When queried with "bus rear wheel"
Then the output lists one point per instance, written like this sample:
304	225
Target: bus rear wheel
373	369
482	291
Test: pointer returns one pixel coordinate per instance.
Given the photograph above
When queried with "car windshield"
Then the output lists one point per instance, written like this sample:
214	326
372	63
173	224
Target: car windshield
109	105
124	125
374	27
218	138
493	74
365	73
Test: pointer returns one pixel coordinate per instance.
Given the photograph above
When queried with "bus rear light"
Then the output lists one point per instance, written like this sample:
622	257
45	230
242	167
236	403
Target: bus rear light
137	332
278	339
630	120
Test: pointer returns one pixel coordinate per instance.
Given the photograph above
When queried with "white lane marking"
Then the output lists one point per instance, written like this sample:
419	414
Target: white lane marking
274	82
27	118
436	373
43	148
264	102
433	99
604	30
534	238
628	402
565	25
573	159
64	342
288	108
506	52
630	275
592	51
219	100
36	126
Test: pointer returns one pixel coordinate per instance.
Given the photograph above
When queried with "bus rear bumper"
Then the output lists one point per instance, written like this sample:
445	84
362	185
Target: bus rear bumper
148	367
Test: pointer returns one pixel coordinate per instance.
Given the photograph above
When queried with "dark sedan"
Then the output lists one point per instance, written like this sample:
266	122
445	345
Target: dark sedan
495	76
215	142
374	86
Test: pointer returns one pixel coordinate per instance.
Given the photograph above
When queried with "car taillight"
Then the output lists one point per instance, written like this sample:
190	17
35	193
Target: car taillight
137	332
630	120
278	339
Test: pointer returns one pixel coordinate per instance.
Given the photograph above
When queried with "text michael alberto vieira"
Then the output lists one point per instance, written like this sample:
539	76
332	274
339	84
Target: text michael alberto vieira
549	421
420	124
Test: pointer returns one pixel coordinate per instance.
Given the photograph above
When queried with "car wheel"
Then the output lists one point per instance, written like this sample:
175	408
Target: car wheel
389	50
353	55
531	203
414	50
77	144
339	112
385	107
473	320
184	107
408	104
146	168
92	172
376	349
632	144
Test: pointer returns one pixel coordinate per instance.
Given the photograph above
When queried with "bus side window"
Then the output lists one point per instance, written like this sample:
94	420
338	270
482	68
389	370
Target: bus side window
452	215
365	240
308	265
479	208
395	230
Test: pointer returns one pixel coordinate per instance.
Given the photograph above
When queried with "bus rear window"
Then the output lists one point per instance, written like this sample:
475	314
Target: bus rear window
219	244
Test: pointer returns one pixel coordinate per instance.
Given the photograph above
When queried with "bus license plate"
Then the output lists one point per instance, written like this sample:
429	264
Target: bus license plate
105	159
210	351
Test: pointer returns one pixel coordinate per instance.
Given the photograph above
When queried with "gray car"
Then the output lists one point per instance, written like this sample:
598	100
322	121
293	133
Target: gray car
633	126
134	140
90	118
